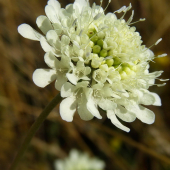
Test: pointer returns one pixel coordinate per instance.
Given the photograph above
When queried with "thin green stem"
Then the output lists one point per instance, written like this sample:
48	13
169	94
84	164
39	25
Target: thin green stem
34	129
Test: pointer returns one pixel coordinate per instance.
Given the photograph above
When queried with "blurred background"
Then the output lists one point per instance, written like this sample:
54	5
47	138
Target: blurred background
146	147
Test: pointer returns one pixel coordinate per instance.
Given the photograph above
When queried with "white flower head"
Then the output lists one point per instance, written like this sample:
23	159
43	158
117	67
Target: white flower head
79	161
97	61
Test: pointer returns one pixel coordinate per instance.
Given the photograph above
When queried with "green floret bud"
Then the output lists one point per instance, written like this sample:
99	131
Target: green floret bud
117	61
101	35
109	62
123	75
100	43
91	32
111	53
103	53
125	65
96	49
127	70
95	39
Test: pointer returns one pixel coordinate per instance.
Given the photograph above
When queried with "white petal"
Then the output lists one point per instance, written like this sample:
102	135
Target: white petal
43	77
157	100
150	98
55	4
28	32
57	28
125	115
107	104
44	24
67	90
52	38
143	114
51	14
82	109
50	59
68	108
44	44
69	8
111	115
146	115
80	4
147	99
72	78
65	40
61	79
92	108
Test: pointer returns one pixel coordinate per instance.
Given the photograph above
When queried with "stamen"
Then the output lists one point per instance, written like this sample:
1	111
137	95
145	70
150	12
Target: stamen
157	42
126	10
81	32
131	18
88	54
163	79
162	55
140	20
97	16
107	5
74	22
160	85
76	44
120	10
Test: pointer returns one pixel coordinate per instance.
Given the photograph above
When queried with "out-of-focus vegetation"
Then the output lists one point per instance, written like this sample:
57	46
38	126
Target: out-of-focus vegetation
146	147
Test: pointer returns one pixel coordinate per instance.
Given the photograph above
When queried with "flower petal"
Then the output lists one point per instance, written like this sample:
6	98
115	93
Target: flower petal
157	100
28	32
61	79
44	24
43	77
65	40
106	104
145	115
72	78
45	46
82	109
142	113
67	89
93	109
147	98
50	59
52	38
81	4
55	4
111	115
51	13
125	115
68	108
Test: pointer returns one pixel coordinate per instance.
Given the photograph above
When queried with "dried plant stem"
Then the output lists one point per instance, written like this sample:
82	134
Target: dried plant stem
34	129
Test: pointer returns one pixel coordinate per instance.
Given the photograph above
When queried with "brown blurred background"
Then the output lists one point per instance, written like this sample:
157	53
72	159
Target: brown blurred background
146	147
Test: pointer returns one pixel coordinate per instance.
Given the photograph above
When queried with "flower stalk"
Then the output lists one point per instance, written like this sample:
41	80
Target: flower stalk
56	100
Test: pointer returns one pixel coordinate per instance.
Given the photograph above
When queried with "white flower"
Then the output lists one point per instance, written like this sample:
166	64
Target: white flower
79	72
97	60
79	161
59	69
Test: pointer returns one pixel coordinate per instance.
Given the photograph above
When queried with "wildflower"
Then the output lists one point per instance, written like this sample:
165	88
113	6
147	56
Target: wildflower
79	161
97	60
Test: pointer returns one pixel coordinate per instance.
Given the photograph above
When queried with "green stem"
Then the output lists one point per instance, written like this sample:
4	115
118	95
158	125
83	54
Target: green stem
34	129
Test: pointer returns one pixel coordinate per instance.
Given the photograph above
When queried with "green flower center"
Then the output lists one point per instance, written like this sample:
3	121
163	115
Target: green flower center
102	56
